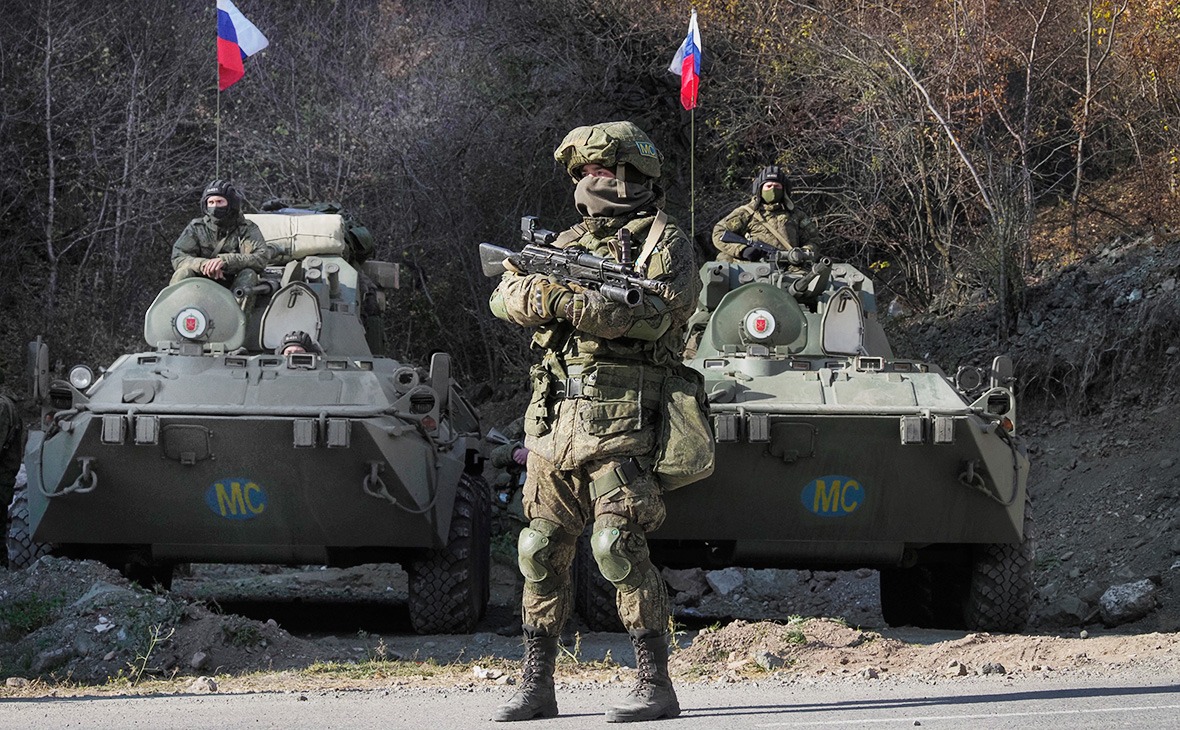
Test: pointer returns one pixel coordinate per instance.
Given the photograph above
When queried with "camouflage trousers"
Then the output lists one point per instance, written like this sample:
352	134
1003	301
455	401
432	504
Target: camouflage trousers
563	498
245	277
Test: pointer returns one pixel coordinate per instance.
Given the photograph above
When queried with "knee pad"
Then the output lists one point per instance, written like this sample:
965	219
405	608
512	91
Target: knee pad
534	549
621	553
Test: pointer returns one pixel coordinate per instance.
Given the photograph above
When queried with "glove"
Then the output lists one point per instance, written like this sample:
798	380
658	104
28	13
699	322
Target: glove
798	256
751	253
550	298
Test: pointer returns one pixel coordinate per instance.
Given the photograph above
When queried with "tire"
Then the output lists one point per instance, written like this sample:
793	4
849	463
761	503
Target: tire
449	589
594	595
22	550
1000	595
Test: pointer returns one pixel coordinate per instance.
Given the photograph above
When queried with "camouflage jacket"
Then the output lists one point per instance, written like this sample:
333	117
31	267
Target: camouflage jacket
781	225
12	432
242	247
613	357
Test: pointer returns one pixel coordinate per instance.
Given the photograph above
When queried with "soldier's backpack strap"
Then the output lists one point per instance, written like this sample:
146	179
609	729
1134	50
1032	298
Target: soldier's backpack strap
653	237
569	235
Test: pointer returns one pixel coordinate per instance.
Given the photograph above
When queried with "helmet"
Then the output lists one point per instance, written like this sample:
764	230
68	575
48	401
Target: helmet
298	337
770	173
225	189
610	144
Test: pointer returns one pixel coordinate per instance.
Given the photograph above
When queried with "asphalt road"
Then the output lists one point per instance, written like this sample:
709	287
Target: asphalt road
976	704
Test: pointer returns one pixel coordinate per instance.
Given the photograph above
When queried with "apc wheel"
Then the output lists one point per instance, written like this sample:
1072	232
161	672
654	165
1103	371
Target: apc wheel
1000	595
449	589
594	595
22	550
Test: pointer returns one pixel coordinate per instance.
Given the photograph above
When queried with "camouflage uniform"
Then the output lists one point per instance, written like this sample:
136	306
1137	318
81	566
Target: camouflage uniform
781	224
507	478
233	239
592	422
12	433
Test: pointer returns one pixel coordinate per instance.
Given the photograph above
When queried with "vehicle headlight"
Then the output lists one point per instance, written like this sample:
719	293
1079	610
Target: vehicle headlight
81	377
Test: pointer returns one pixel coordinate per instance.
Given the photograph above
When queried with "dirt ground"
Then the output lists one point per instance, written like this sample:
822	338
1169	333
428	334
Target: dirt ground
1097	353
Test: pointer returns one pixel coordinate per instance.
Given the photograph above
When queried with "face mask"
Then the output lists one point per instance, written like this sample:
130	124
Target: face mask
596	197
218	213
773	195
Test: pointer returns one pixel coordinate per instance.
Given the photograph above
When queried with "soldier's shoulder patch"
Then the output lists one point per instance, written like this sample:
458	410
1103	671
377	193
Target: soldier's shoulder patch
647	149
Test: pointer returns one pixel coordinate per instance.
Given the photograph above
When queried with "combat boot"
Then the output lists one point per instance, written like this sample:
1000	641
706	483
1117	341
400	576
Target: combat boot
653	696
536	696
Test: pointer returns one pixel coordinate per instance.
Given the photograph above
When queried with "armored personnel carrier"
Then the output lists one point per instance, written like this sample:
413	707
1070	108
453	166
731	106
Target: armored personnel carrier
834	453
215	446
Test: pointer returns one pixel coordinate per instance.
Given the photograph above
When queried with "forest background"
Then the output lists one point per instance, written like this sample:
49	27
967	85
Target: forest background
962	150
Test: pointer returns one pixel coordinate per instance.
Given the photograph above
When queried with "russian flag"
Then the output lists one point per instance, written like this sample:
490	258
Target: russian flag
237	38
687	64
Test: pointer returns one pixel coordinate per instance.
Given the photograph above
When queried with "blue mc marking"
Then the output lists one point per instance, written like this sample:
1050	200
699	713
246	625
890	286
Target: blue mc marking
833	496
236	498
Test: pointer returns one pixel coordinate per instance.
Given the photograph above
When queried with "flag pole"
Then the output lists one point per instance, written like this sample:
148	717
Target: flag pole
692	174
217	113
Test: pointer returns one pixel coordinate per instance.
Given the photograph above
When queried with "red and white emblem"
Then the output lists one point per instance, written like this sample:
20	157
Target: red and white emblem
191	323
759	324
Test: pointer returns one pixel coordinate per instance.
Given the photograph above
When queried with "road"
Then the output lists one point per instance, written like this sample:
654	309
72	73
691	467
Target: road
981	703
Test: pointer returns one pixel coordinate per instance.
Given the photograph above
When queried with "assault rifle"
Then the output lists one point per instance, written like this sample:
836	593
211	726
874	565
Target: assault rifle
766	252
615	280
807	286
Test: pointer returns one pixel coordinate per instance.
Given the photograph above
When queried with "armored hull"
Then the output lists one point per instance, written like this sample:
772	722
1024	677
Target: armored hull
217	446
833	453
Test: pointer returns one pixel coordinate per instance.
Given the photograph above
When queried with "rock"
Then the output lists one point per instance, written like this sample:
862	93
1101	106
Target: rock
52	658
690	581
16	682
1067	611
199	660
993	668
482	639
482	673
724	582
1127	602
1172	350
1083	634
773	584
108	656
1166	463
98	590
202	685
870	673
956	669
768	661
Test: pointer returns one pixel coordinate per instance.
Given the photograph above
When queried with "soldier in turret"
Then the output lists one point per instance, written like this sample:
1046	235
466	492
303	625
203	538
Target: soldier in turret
591	427
770	217
221	245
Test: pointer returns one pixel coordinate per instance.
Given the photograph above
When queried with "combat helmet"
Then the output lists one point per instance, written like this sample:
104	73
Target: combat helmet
612	145
770	173
225	189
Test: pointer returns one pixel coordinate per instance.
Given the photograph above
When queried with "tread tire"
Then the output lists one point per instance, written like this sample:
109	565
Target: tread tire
22	550
449	589
1000	595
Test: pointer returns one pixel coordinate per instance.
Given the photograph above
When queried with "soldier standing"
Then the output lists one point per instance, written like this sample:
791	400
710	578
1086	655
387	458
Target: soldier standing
12	433
770	217
592	421
221	244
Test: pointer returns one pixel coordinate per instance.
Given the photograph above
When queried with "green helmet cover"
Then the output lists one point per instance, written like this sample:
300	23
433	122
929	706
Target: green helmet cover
609	144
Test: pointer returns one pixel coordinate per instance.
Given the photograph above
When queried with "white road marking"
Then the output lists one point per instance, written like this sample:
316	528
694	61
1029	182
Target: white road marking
987	716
